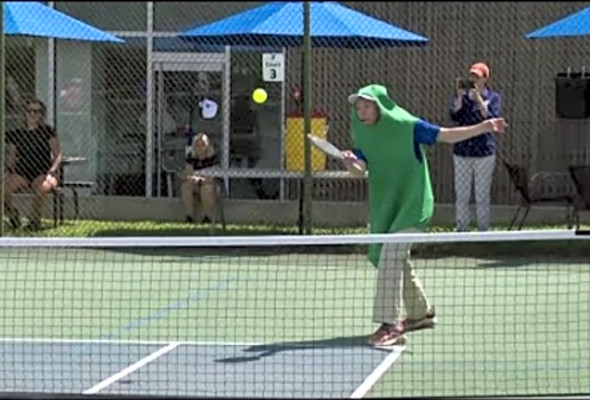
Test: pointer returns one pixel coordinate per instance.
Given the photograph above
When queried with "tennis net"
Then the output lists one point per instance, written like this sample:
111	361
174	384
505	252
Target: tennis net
290	316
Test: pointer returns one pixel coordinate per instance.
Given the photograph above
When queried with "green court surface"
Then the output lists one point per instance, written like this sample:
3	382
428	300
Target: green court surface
506	327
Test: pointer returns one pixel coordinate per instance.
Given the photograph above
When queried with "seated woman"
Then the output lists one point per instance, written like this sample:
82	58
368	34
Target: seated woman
34	157
200	154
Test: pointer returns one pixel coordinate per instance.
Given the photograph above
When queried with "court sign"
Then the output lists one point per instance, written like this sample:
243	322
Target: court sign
273	67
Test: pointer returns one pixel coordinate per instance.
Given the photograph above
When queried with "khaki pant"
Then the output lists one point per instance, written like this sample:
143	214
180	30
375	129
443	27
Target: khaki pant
396	280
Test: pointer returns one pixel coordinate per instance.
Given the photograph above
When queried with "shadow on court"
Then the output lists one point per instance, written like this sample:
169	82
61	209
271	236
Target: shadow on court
237	251
570	250
271	349
537	264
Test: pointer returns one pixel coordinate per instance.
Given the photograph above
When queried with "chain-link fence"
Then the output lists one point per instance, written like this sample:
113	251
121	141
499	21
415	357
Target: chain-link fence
121	109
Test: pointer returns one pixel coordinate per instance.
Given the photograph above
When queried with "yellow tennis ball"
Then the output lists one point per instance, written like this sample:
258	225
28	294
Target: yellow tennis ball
259	96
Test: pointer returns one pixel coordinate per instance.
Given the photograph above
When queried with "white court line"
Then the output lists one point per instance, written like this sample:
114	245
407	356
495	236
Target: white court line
360	392
130	369
124	342
381	369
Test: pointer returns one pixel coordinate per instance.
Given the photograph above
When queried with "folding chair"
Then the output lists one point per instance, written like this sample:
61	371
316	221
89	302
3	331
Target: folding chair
581	177
530	195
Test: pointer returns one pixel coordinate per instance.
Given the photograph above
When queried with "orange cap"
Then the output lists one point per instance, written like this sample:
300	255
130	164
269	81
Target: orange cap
480	69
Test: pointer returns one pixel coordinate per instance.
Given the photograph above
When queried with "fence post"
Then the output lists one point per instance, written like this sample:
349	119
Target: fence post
307	180
2	114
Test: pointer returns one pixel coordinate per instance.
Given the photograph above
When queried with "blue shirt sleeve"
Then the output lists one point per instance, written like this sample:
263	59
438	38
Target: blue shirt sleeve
359	154
425	132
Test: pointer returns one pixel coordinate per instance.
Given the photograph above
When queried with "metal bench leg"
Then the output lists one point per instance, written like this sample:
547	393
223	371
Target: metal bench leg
169	183
221	208
57	207
61	209
222	195
514	217
55	216
576	218
569	216
219	214
76	204
526	213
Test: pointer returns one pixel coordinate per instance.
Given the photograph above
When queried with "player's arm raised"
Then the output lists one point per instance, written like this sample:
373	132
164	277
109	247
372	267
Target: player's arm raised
460	133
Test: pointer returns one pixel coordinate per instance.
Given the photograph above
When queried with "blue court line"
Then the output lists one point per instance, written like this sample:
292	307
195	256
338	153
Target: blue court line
164	312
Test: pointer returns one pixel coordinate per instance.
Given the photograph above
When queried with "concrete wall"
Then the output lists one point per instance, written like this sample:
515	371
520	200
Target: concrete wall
325	214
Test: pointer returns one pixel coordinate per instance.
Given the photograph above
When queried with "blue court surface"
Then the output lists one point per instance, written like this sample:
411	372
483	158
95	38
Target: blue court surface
328	368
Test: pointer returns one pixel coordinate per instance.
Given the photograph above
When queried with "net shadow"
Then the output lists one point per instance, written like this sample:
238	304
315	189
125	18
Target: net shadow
573	251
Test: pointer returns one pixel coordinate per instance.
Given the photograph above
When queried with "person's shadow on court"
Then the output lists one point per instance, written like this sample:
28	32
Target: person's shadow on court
268	350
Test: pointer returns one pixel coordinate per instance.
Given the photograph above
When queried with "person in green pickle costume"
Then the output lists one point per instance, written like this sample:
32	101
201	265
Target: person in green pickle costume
389	144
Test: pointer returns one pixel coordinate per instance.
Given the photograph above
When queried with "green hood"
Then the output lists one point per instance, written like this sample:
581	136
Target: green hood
377	93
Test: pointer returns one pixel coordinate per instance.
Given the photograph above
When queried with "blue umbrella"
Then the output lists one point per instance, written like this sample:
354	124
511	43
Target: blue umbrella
31	18
281	24
577	24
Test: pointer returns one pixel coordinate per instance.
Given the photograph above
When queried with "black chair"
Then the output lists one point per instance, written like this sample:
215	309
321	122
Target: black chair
530	195
581	177
59	193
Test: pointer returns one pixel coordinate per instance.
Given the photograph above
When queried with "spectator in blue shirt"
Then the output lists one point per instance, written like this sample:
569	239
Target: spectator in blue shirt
474	159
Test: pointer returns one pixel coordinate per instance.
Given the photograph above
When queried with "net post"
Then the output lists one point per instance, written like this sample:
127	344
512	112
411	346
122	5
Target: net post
2	115
307	180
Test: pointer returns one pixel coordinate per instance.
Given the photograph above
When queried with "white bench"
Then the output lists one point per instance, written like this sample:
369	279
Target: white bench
216	172
226	174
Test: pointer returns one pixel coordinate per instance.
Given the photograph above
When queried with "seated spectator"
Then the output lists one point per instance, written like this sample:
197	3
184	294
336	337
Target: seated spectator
200	154
33	159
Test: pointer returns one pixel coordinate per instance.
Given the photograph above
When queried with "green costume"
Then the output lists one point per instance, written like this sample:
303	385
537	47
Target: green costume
400	193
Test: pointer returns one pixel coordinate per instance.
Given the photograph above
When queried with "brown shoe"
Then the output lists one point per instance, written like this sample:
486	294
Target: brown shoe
388	335
428	321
